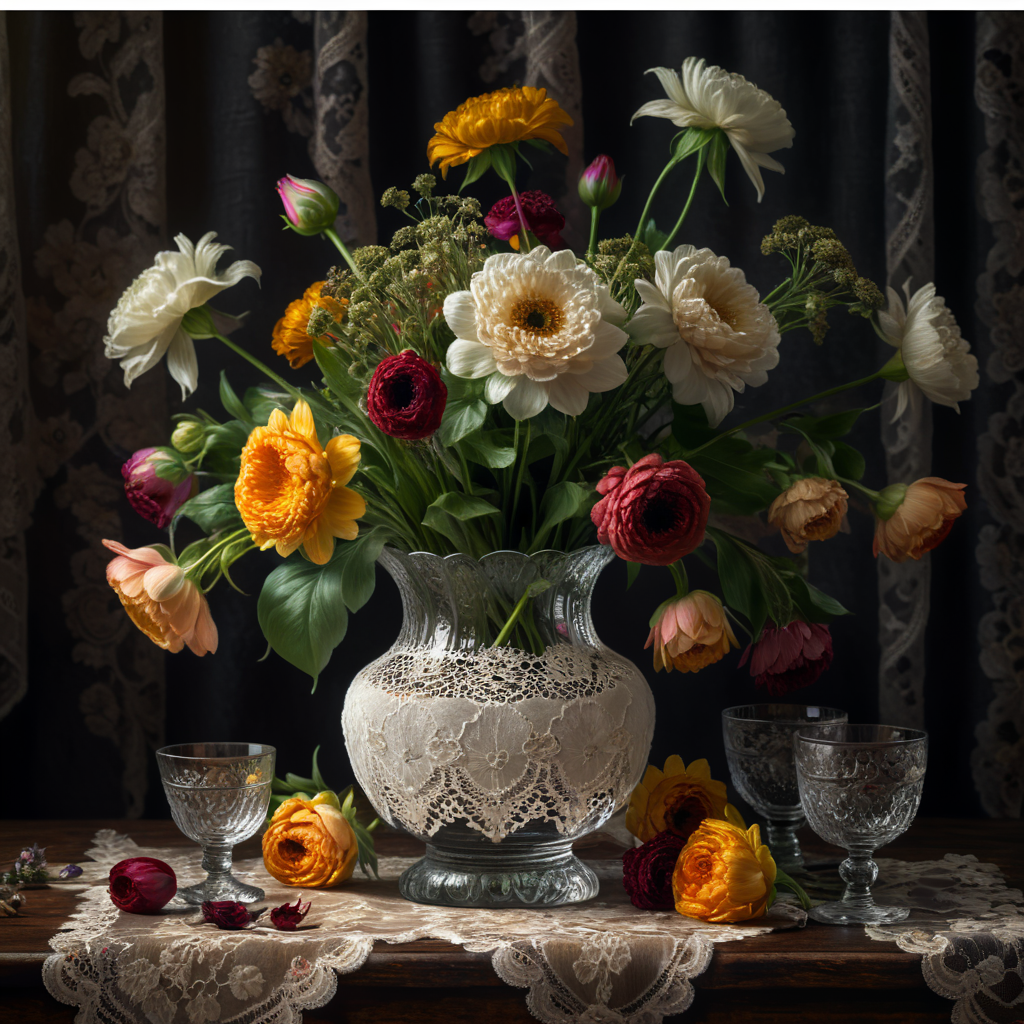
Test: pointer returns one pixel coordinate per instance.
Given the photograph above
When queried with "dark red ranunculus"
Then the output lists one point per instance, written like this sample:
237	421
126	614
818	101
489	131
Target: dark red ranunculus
227	914
141	885
406	397
647	871
288	917
654	512
788	658
542	218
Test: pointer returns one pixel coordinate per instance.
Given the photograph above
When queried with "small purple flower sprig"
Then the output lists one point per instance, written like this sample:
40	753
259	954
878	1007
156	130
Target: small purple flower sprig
30	868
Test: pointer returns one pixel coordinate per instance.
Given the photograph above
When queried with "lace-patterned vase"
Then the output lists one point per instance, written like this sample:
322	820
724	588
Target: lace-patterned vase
495	756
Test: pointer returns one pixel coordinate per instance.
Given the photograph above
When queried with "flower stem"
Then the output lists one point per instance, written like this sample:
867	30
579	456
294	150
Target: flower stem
522	216
506	630
781	878
689	201
595	217
678	571
343	249
866	491
258	364
650	199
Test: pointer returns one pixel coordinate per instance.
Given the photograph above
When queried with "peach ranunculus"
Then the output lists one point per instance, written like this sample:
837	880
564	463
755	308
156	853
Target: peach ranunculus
811	509
161	600
290	338
290	491
309	845
677	800
723	874
691	633
921	521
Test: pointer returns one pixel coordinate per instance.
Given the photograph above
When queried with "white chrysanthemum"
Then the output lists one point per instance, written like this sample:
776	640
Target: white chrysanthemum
541	328
937	358
146	323
717	334
709	97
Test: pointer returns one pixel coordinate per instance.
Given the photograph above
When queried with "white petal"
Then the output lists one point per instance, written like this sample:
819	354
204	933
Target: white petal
670	111
669	80
182	363
611	311
498	386
608	339
652	325
753	171
568	395
602	376
470	359
902	399
460	315
718	403
650	295
528	399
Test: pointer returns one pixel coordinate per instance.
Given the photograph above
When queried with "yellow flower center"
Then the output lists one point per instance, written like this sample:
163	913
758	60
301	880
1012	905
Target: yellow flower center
538	316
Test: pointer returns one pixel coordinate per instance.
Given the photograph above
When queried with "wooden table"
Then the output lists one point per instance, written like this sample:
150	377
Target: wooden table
818	974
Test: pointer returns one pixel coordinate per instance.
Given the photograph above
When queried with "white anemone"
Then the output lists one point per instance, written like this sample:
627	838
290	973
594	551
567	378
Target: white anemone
717	334
937	358
541	328
709	97
146	322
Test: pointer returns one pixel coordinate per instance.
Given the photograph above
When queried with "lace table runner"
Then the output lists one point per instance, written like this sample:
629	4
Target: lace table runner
601	962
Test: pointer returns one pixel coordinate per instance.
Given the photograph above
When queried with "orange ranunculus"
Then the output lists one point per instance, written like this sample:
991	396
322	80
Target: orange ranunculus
677	800
723	874
309	845
290	337
921	521
496	118
161	600
290	491
691	633
807	510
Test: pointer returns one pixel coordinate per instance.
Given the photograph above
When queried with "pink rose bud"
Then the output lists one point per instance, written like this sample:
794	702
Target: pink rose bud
309	206
288	917
157	484
599	185
227	914
141	885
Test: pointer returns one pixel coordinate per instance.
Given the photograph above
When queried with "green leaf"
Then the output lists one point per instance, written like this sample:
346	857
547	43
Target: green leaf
738	486
462	506
460	419
825	427
364	843
847	461
298	782
334	366
318	779
689	141
541	144
359	574
813	604
489	448
632	571
652	237
213	509
717	155
224	444
750	581
475	167
503	160
261	403
561	502
232	403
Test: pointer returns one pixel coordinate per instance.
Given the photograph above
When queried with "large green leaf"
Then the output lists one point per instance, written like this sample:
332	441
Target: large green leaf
232	403
750	581
334	366
826	427
461	418
563	501
213	509
738	486
691	140
491	448
452	508
718	152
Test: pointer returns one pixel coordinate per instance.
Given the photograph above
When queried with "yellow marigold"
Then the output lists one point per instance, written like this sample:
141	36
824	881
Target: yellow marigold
290	338
309	844
677	800
290	491
723	874
508	115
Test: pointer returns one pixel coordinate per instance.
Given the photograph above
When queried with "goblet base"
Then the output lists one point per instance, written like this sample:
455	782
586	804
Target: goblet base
221	887
843	913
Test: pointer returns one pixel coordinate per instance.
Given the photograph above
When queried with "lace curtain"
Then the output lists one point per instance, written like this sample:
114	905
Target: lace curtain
111	141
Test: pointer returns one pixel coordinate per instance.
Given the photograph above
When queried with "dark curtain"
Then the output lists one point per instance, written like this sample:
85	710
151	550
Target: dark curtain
125	129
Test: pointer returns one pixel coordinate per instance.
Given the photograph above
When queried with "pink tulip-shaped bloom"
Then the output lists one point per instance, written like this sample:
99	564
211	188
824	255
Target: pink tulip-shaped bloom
542	218
155	498
788	658
310	206
161	600
599	185
691	633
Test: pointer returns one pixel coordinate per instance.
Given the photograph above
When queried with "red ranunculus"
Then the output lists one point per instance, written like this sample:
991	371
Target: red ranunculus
141	885
542	218
227	914
157	498
654	512
288	917
789	657
647	871
406	397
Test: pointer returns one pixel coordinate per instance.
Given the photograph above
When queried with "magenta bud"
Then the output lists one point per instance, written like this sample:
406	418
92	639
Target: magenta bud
141	885
309	206
599	185
157	484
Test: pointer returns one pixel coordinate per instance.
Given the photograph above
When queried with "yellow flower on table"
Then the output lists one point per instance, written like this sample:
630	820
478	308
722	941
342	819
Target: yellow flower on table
309	844
291	491
290	338
677	799
497	118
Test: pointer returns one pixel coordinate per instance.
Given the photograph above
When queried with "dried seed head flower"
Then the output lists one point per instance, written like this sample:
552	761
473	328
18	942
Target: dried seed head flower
424	184
395	197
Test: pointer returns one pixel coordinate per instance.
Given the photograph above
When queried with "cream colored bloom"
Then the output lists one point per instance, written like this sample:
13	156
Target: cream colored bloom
709	97
937	358
809	509
146	322
541	327
717	335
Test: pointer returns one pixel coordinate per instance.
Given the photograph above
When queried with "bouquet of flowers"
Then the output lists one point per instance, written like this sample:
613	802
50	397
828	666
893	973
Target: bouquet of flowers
479	386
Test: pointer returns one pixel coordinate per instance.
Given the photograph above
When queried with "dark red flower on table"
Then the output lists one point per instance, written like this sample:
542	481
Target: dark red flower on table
542	218
288	917
788	658
647	871
156	497
141	885
654	512
406	397
227	914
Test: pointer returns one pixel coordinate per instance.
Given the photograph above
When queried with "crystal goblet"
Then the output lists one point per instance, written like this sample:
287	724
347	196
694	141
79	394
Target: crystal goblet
219	794
759	748
860	787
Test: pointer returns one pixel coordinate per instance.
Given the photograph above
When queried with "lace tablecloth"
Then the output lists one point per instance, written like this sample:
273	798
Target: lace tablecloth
602	962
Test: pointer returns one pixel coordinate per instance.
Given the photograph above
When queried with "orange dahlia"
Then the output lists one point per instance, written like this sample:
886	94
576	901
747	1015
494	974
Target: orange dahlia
290	491
290	338
496	118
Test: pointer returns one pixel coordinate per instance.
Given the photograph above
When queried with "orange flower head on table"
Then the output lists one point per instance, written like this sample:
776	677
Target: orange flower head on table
677	800
724	874
309	844
494	119
291	491
291	339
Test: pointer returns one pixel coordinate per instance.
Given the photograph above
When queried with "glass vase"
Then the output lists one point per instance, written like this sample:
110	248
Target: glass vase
498	756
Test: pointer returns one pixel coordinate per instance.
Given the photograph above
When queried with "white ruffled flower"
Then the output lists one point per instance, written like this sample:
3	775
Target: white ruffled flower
717	334
710	97
146	323
935	355
542	328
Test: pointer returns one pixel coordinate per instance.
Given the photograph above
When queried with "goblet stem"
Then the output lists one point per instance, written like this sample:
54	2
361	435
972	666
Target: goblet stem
217	864
859	872
784	845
